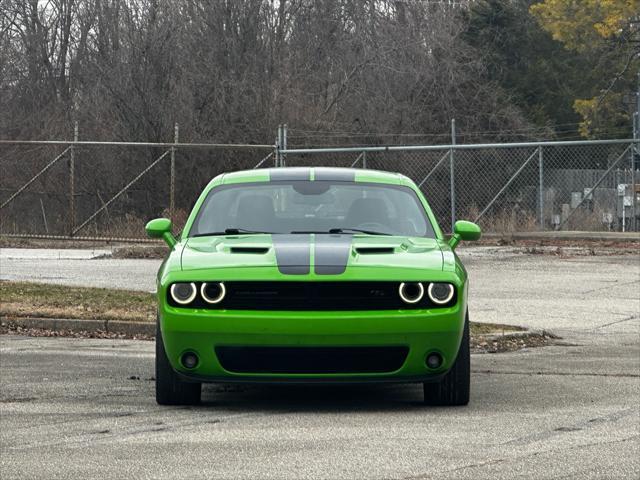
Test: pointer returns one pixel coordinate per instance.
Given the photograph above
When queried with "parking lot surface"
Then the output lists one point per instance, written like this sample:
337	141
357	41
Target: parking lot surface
84	268
84	408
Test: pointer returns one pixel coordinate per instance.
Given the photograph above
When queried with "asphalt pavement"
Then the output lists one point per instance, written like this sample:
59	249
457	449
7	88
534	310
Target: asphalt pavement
75	267
84	408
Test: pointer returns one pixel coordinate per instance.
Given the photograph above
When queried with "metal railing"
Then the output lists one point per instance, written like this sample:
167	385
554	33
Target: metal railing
108	190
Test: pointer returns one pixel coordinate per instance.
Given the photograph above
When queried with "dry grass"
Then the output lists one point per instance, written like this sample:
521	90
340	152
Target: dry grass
508	221
587	221
21	299
129	226
493	328
510	343
141	251
505	221
132	226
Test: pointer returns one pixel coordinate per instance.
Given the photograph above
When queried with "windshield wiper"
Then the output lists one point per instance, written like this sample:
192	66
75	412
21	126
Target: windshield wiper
334	231
229	231
357	230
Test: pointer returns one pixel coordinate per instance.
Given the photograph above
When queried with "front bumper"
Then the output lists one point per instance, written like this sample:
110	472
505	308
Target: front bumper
421	331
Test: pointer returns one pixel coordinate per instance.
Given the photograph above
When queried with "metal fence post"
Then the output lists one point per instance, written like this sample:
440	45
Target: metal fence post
275	151
278	146
541	187
364	159
616	180
634	211
452	174
72	185
283	159
635	151
172	174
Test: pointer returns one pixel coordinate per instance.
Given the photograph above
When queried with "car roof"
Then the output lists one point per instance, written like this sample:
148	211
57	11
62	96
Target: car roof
313	173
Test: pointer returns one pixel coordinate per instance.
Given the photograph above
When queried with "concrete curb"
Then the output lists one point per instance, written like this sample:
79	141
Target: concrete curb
521	333
149	329
109	326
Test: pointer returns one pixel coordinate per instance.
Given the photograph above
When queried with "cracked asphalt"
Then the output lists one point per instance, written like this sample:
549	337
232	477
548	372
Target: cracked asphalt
84	408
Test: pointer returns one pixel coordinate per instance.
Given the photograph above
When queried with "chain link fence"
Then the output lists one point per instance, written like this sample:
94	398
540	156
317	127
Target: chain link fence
109	190
588	185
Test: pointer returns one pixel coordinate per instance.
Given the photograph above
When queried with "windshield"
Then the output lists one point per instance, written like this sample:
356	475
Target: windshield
312	207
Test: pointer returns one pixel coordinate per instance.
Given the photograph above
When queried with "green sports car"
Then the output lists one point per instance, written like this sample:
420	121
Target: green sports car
312	275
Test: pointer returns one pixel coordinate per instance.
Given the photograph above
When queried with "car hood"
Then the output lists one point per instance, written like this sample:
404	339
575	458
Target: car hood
316	254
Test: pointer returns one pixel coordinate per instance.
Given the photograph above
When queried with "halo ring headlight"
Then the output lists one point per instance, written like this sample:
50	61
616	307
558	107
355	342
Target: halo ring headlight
216	299
439	298
184	297
411	297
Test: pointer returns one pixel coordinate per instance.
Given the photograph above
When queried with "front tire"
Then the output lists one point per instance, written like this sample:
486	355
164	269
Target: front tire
170	390
453	389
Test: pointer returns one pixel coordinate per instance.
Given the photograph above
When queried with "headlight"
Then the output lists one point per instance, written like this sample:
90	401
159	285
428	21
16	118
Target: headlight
440	293
213	292
183	293
411	292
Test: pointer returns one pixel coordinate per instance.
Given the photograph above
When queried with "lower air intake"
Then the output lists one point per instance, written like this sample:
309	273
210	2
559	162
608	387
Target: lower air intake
311	360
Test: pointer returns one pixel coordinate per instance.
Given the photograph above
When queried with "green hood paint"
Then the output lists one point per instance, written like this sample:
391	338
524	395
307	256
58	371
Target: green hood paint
227	252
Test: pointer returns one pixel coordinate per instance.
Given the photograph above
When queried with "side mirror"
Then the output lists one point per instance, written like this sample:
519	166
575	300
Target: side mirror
463	230
161	228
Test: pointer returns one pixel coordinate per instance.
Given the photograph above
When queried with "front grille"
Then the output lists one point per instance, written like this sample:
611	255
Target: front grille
310	360
312	296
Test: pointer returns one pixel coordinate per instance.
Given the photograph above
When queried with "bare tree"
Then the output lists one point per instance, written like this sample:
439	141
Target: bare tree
337	71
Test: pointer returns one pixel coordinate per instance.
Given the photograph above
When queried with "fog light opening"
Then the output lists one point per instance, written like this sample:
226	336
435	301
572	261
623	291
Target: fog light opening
434	360
189	360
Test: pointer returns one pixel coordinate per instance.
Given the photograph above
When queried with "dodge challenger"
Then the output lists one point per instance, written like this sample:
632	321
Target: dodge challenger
312	275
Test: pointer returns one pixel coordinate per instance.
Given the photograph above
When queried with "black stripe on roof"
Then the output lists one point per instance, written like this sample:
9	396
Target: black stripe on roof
286	174
334	174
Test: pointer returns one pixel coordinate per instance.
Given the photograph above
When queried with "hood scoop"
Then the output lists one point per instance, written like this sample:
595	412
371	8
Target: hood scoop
253	250
374	250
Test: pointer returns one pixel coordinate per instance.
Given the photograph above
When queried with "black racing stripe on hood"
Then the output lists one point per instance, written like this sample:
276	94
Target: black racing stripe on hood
287	174
334	174
331	254
293	253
